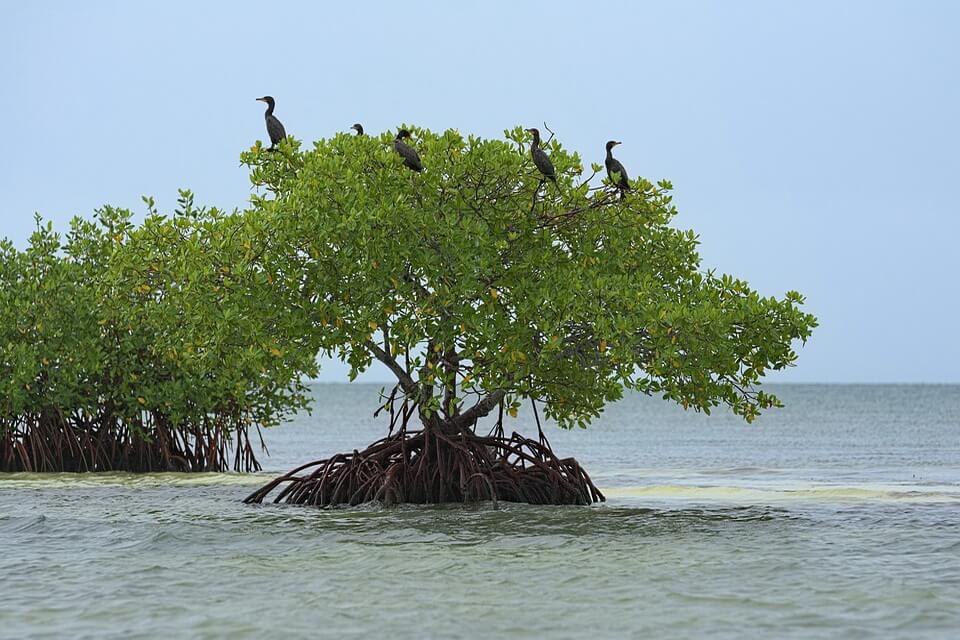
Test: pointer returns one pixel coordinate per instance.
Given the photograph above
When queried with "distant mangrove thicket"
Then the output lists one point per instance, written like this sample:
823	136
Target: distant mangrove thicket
155	347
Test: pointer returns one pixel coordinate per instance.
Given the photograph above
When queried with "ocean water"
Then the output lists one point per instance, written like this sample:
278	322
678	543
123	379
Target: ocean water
836	517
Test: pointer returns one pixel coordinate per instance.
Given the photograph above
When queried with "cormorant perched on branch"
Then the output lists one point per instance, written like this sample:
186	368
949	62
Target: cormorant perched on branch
540	157
358	128
410	156
614	166
274	128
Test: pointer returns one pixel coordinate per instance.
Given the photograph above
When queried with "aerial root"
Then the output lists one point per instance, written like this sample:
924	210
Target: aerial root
55	443
431	466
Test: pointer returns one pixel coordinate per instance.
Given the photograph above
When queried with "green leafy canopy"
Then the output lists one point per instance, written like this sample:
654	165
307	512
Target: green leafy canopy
475	282
168	322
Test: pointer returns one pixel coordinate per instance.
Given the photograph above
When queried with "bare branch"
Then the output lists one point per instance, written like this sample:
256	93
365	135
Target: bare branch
409	386
479	410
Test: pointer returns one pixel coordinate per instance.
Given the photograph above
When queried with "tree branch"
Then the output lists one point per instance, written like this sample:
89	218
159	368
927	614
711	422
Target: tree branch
409	386
479	410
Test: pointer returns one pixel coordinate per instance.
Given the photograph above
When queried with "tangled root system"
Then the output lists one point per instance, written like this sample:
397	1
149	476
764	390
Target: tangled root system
432	466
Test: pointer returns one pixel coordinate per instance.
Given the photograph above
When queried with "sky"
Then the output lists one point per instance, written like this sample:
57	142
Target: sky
813	145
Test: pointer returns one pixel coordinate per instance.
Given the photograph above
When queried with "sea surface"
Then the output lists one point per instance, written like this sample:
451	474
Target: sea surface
835	517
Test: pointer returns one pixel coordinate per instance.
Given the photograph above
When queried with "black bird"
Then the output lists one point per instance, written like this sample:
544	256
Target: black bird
274	128
410	156
358	128
614	166
540	157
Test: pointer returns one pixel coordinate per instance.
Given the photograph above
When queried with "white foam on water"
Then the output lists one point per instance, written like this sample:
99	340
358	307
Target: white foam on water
751	494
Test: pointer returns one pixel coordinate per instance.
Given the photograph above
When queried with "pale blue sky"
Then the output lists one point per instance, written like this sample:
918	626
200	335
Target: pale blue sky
813	145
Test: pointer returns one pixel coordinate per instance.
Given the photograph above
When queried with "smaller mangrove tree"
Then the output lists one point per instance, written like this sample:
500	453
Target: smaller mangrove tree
152	347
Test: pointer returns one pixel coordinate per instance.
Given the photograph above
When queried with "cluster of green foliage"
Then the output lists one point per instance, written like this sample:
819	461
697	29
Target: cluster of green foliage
132	328
474	282
478	285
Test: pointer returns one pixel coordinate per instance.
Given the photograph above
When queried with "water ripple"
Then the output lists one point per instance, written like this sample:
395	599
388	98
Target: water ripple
838	516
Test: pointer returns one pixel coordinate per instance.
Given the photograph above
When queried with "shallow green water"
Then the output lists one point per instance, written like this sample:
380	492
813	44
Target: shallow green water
837	517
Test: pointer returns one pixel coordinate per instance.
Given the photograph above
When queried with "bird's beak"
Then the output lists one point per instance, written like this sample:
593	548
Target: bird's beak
260	100
616	143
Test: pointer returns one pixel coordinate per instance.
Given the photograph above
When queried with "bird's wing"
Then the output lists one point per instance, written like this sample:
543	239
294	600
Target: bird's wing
542	160
409	154
414	161
275	130
616	167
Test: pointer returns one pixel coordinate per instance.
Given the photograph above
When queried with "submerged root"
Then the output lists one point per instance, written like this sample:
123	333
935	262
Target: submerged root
434	467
